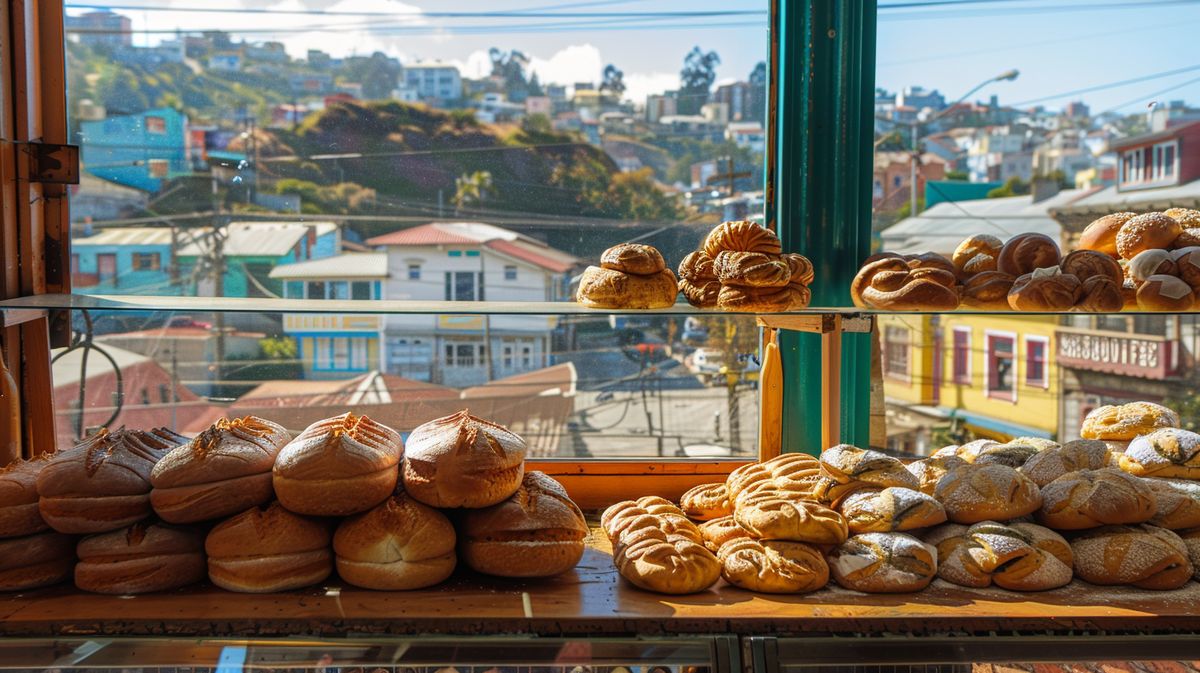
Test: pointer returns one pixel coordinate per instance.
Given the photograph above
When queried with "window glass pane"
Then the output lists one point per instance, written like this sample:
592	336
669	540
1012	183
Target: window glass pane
361	289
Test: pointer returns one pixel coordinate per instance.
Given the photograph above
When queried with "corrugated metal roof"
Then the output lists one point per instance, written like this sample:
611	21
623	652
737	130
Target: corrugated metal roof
127	236
349	265
1110	200
555	380
501	240
253	239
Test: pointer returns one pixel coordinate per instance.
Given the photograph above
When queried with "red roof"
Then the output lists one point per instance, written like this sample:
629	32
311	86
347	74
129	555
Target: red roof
426	234
530	253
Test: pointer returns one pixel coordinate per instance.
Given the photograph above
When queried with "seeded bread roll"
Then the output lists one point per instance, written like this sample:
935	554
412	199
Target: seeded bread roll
973	246
1169	452
463	461
706	502
773	514
35	561
1082	454
657	548
975	493
773	566
1145	556
1094	498
268	549
143	558
1146	232
929	471
847	468
399	545
741	236
1026	253
890	509
1017	556
606	288
537	532
633	258
1123	422
717	532
881	563
19	515
1186	217
794	472
1177	503
1101	235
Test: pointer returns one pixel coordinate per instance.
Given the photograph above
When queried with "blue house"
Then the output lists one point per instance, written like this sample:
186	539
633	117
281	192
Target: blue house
140	150
123	261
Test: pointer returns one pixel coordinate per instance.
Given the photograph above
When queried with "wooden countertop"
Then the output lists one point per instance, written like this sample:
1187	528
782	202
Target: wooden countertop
592	600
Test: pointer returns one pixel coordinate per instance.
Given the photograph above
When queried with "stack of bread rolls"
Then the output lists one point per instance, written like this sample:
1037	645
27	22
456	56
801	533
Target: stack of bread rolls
630	275
1159	254
741	266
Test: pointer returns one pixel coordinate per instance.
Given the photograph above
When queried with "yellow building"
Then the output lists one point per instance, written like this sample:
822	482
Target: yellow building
983	376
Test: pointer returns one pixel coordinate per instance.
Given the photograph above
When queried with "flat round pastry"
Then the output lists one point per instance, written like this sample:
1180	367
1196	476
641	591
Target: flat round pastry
1145	556
143	558
1081	454
751	269
1026	253
1101	234
973	246
1123	422
930	470
634	258
1177	503
717	532
19	515
1045	290
1085	264
773	566
795	472
773	514
1100	295
883	563
1015	556
890	509
1187	264
399	545
741	236
463	461
268	549
1147	232
606	288
1148	263
1168	452
35	561
706	502
987	290
1187	218
1094	498
1165	293
759	299
974	493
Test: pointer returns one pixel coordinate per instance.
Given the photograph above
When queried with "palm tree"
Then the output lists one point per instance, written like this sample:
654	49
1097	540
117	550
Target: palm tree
472	189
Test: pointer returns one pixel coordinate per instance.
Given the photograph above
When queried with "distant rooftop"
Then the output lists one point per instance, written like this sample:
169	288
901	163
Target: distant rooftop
498	239
349	265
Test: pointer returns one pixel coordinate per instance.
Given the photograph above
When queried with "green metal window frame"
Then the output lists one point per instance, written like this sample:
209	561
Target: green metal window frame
819	190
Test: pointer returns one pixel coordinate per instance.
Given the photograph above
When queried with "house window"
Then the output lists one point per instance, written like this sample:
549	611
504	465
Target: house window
146	261
961	369
1001	365
510	272
156	125
1036	374
323	355
358	353
316	289
164	393
527	357
460	286
463	353
341	353
339	290
360	289
895	351
414	272
293	289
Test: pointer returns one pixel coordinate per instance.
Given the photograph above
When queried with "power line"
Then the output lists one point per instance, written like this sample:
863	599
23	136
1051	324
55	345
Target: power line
1109	85
515	14
420	31
1045	9
1149	96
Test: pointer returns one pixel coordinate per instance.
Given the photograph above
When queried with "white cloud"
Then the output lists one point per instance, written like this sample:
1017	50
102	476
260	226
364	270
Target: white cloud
575	63
640	85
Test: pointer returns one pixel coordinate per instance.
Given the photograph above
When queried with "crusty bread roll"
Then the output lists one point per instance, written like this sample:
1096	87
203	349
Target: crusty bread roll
971	450
762	299
463	461
1150	263
1145	556
1168	452
1085	264
706	502
974	493
1012	453
1101	234
698	280
222	471
606	288
717	532
1146	232
102	483
634	258
751	269
1026	253
773	514
143	558
1123	422
339	466
978	264
1045	290
1187	264
1165	293
987	290
1082	454
1015	556
795	472
930	470
847	468
268	549
973	246
1094	498
399	545
537	532
930	260
1191	541
35	561
741	236
882	563
890	284
1177	503
773	566
801	268
1100	295
890	509
19	515
1186	217
657	548
1190	237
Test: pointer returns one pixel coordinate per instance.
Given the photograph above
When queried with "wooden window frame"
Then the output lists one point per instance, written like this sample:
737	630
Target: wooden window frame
1044	382
1000	395
965	378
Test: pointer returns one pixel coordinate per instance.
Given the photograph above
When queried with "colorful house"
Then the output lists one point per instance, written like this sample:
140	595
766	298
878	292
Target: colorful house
123	260
139	150
250	251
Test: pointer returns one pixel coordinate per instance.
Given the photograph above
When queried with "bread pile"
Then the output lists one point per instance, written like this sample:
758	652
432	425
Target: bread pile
1159	254
255	510
741	267
631	276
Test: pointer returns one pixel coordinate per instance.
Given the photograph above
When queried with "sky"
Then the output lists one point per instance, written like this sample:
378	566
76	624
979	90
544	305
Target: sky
1057	45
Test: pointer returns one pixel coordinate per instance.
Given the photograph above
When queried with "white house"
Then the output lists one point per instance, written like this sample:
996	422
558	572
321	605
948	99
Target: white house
433	81
747	134
469	261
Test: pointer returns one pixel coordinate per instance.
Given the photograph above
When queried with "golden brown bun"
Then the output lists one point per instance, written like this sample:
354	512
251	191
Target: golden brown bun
537	532
1093	498
973	246
971	450
1016	556
773	566
1177	503
605	288
399	545
1145	556
1085	264
761	299
1045	290
974	493
1123	422
773	514
741	236
717	532
339	466
697	266
1026	253
1081	454
890	284
980	263
634	258
890	509
751	269
1187	265
1148	263
987	290
929	471
142	558
1165	293
222	471
706	502
268	549
1191	540
1013	453
1169	452
847	468
19	515
1146	232
698	280
463	461
798	473
1187	218
656	547
883	563
1101	295
931	261
35	561
802	269
1188	239
1101	235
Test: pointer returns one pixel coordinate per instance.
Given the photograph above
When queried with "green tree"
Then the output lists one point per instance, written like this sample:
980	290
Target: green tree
758	93
696	79
509	67
119	91
1014	186
537	123
959	176
535	86
472	189
613	81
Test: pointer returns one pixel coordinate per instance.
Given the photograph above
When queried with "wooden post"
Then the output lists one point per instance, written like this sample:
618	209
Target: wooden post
831	385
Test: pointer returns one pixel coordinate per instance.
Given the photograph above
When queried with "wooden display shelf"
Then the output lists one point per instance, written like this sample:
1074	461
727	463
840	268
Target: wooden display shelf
592	600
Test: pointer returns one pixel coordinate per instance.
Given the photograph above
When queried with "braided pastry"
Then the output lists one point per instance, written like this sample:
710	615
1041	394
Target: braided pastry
751	269
741	236
656	547
698	280
773	566
797	473
890	284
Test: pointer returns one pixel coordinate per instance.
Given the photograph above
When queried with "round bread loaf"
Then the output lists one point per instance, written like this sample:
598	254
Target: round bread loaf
773	566
268	549
974	493
1085	264
1026	253
102	483
882	563
1123	422
1094	498
1187	265
1101	234
741	236
1145	556
987	290
706	502
930	470
537	532
463	461
1146	232
399	545
741	299
606	288
1165	293
978	264
1045	290
751	269
717	532
339	466
19	515
1150	263
222	471
974	246
1177	503
35	561
1017	556
1100	295
890	284
971	450
1013	453
634	258
890	509
1186	217
773	514
1082	454
1168	452
143	558
847	468
930	261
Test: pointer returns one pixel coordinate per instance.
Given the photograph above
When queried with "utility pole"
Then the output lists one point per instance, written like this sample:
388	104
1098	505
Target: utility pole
217	271
912	178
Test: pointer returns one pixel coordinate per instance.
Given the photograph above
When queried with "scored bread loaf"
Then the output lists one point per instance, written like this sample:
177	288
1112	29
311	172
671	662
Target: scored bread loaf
930	470
883	563
717	532
971	450
19	514
102	483
773	566
1093	498
222	471
657	548
1081	454
1123	422
634	258
142	558
1169	452
706	502
1145	556
975	493
339	466
1177	503
35	561
398	545
268	549
846	468
463	461
798	473
1191	542
537	532
1014	453
774	514
1015	556
890	509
